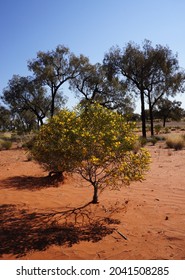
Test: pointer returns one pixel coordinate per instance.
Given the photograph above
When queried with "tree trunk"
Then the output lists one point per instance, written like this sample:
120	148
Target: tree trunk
151	118
56	175
40	121
95	196
52	106
53	94
143	117
164	121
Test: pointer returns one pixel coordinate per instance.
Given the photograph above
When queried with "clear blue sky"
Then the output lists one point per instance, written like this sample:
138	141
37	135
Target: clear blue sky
87	27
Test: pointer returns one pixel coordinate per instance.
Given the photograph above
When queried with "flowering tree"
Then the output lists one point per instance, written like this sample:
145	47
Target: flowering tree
94	142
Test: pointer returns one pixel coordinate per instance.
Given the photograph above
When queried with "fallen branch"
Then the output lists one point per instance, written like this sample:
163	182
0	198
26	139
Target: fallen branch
122	235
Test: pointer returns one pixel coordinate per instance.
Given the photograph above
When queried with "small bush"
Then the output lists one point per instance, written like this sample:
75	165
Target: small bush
166	130
157	128
142	141
152	140
160	138
5	145
29	143
175	142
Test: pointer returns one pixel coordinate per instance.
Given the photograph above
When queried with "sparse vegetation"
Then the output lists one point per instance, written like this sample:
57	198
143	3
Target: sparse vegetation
157	128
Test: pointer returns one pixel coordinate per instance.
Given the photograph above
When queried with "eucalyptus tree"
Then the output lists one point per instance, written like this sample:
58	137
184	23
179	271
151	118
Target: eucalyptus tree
167	78
54	68
26	94
166	109
150	72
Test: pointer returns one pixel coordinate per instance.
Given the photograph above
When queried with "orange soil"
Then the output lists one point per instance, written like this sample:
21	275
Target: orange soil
151	214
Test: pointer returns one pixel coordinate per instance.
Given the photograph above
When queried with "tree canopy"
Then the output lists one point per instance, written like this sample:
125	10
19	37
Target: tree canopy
166	109
26	94
54	68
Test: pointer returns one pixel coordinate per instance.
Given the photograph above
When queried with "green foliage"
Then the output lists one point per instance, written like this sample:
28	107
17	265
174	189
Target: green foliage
5	144
4	119
54	68
28	102
157	128
94	142
166	130
167	109
142	141
152	140
55	145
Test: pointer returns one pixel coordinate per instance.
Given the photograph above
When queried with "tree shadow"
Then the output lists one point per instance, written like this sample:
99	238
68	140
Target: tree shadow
22	231
31	183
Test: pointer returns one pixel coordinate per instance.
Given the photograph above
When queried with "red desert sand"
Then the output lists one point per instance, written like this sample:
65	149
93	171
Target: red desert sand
41	220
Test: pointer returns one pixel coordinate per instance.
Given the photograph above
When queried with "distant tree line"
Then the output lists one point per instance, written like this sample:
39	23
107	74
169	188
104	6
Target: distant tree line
151	73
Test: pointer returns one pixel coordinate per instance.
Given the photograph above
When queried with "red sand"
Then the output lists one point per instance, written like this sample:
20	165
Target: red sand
151	214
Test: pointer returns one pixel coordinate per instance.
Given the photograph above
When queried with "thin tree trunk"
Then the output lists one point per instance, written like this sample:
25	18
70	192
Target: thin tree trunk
53	93
52	106
164	122
143	117
151	118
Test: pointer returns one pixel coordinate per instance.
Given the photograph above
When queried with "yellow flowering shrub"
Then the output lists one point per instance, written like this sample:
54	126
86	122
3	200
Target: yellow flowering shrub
55	145
109	143
94	142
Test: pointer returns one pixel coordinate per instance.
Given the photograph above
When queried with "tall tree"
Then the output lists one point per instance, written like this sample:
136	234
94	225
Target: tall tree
150	72
166	77
26	94
54	68
166	109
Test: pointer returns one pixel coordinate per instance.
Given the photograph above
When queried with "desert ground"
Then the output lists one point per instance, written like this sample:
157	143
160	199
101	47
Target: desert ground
41	219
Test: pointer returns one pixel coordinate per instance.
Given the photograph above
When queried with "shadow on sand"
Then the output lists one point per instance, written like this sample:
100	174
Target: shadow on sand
22	231
30	182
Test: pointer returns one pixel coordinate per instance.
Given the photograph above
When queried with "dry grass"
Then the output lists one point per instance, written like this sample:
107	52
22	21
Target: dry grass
175	141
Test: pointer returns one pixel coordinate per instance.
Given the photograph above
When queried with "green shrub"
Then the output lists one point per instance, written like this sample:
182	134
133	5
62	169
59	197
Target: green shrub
152	140
166	130
5	145
142	141
157	128
160	138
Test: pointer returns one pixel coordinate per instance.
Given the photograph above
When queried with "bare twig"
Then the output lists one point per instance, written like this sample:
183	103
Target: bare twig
122	235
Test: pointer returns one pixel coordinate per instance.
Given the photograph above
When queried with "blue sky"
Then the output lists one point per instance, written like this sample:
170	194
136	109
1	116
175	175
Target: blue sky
87	27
